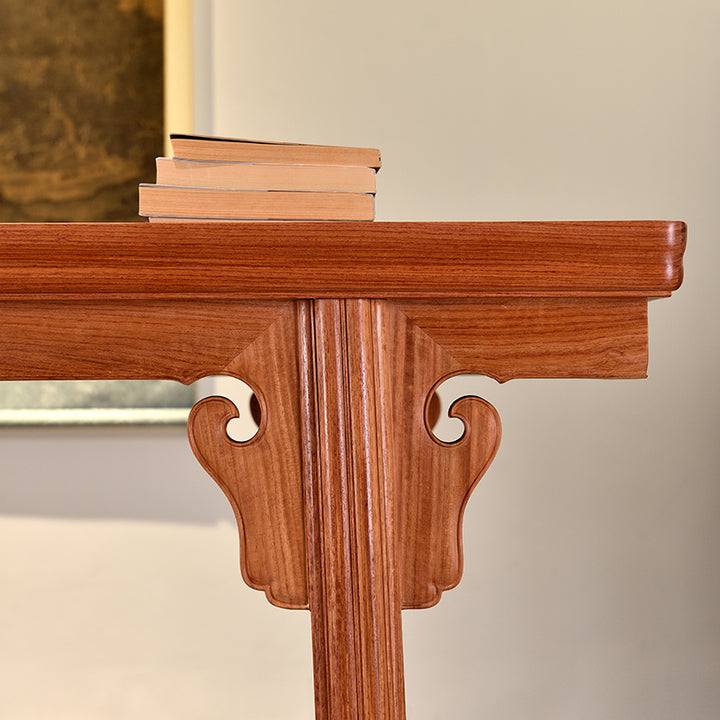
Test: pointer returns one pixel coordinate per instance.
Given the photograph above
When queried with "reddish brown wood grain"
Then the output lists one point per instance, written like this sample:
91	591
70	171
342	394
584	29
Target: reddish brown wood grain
600	337
346	503
355	598
432	480
322	259
263	477
181	340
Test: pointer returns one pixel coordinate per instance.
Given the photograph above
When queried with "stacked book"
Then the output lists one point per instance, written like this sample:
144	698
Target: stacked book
212	179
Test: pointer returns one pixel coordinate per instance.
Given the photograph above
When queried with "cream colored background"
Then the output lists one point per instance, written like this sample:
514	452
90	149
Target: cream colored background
592	581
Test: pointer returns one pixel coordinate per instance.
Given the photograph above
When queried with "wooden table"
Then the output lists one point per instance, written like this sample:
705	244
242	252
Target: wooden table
346	502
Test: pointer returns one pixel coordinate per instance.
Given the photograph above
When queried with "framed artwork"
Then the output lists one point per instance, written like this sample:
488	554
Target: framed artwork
82	119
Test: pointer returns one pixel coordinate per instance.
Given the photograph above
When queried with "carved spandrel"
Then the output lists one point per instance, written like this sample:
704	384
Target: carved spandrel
262	477
431	526
420	344
433	479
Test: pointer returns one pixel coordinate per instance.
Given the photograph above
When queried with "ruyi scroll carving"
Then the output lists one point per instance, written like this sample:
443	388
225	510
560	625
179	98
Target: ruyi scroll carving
263	478
347	504
345	457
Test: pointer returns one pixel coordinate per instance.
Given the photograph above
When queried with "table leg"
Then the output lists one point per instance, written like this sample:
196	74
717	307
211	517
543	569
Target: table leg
353	583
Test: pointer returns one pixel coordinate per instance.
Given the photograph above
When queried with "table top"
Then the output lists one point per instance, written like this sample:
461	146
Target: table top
284	260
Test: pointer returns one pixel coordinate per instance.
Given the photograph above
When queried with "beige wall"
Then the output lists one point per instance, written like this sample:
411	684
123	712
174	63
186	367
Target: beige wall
592	584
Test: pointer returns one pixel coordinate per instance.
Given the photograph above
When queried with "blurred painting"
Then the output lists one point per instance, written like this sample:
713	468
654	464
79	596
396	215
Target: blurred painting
81	123
81	108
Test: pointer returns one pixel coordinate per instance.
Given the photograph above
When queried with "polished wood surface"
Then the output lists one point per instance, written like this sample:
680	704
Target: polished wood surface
539	336
100	339
356	259
346	502
433	479
262	478
356	597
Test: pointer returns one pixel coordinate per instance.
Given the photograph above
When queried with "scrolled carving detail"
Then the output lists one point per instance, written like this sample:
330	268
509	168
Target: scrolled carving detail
261	498
262	477
436	479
